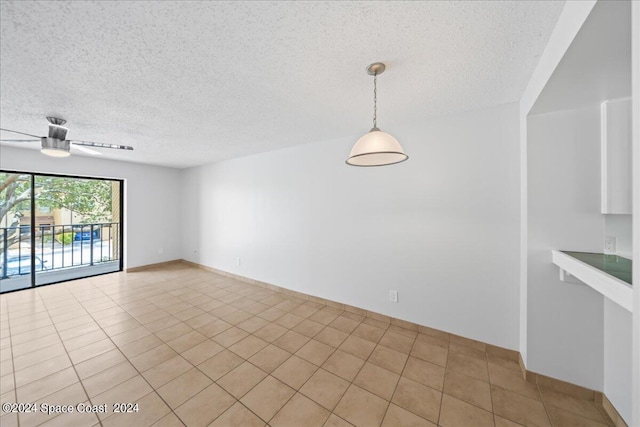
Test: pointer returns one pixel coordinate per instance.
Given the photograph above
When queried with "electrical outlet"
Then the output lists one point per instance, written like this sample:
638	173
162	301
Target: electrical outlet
238	261
393	296
610	245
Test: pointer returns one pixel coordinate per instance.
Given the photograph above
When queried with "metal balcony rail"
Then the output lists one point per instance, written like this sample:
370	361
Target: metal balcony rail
58	247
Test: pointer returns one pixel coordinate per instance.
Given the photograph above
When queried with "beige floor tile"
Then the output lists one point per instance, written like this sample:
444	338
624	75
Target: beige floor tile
200	320
344	324
469	389
368	332
336	421
518	408
396	416
153	357
99	363
182	388
308	328
456	413
323	316
253	324
174	331
377	380
237	415
121	327
47	385
305	310
248	346
359	347
130	391
396	341
294	372
70	395
75	419
585	408
33	345
271	314
40	370
503	362
425	373
140	346
389	359
269	358
187	341
417	398
361	408
331	336
241	379
268	397
205	407
91	350
230	336
377	323
203	351
130	335
220	364
291	341
108	378
151	408
169	420
166	371
315	352
289	320
38	356
430	353
162	323
7	384
468	365
270	332
214	328
300	411
343	364
237	317
503	422
560	417
325	388
513	381
83	340
462	341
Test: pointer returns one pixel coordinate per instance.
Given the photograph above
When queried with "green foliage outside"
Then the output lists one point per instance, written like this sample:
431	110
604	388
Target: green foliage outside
65	238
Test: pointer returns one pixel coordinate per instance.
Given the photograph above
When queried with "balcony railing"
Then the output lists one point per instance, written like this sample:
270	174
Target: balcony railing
58	247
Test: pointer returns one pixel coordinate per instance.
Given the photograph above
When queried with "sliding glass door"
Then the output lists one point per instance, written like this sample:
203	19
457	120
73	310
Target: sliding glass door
57	228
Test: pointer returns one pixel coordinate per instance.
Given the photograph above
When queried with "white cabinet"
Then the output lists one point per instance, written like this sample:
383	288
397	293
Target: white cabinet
616	156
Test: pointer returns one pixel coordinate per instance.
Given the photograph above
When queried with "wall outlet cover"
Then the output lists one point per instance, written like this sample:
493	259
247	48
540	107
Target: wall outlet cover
610	243
393	296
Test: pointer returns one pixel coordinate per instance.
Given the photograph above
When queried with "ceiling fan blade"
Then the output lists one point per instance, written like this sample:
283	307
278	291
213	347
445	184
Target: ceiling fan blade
19	140
101	145
21	133
86	150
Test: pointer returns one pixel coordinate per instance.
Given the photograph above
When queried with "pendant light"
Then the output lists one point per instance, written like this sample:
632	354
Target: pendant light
376	148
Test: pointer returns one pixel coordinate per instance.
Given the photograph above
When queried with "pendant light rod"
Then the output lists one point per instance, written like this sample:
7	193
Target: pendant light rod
373	70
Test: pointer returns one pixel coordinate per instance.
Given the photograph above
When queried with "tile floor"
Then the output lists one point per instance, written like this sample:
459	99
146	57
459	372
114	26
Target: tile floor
194	348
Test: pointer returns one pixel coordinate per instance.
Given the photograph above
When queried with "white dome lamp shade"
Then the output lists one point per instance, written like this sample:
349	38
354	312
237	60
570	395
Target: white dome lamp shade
376	148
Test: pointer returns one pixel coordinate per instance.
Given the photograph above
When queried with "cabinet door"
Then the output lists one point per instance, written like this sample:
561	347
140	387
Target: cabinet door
616	156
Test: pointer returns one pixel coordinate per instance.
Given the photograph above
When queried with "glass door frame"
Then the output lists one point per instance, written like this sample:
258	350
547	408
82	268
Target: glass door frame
32	225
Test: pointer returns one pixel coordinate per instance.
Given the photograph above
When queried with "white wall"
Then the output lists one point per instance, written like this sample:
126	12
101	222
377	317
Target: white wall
617	357
152	214
619	226
565	321
441	228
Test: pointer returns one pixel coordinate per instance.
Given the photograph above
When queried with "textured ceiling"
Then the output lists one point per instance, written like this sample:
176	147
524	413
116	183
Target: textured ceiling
188	83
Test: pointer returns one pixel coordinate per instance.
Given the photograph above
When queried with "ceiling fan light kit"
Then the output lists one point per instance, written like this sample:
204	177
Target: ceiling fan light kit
57	144
376	148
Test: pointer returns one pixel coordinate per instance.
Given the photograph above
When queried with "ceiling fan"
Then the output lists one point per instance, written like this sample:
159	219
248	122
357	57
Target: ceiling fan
57	144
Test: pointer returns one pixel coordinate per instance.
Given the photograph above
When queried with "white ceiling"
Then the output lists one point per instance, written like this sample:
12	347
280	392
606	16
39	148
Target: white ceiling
188	83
